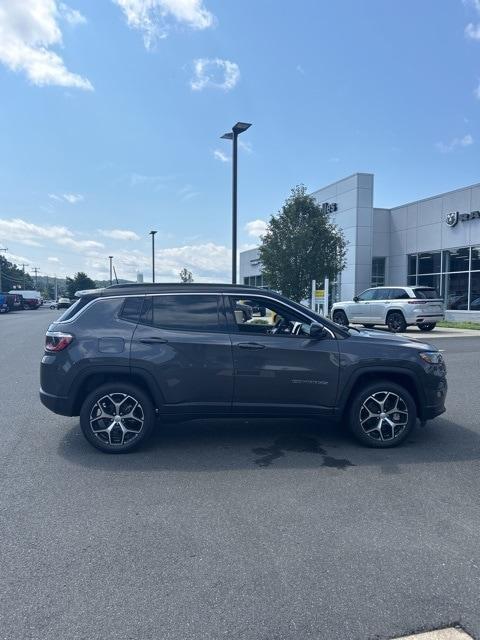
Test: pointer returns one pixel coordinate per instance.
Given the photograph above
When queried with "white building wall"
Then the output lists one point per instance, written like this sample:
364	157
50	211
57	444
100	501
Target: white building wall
354	216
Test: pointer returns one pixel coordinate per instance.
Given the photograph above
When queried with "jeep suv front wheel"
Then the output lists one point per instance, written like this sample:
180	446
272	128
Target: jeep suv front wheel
117	417
382	414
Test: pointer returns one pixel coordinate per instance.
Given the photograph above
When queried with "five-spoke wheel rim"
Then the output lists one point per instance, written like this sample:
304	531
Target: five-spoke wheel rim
384	416
117	419
341	319
395	322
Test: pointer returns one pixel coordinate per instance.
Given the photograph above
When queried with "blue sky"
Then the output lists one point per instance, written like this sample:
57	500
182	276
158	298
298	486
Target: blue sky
111	113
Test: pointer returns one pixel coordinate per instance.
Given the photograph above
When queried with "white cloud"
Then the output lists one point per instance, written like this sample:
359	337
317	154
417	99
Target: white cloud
119	234
474	3
31	234
246	146
53	259
153	17
219	155
71	198
477	92
72	16
256	228
466	141
214	73
472	31
28	30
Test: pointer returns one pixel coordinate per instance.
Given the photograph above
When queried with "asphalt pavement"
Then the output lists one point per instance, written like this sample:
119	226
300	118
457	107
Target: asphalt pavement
251	530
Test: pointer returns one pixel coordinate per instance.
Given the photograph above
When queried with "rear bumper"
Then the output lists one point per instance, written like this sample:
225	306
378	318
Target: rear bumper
57	404
427	318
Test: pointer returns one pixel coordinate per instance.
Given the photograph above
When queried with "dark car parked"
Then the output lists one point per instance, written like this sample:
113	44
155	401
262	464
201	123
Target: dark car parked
123	356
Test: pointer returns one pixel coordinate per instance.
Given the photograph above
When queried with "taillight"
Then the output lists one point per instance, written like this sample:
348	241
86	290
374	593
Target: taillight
57	341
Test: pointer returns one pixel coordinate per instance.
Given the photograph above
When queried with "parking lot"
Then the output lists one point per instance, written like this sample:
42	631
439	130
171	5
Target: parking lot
256	530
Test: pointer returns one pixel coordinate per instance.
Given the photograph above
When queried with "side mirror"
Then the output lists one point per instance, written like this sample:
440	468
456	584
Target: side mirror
317	331
355	298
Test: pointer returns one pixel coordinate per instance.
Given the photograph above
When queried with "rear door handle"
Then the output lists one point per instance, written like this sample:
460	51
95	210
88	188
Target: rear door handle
250	345
153	340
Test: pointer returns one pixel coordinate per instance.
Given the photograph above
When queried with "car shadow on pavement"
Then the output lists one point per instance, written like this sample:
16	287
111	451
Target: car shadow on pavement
235	444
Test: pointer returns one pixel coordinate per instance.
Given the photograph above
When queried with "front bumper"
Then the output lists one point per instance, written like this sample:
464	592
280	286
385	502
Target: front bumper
435	397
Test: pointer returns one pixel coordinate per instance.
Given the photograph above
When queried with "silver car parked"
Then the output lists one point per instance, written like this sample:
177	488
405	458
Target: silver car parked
396	307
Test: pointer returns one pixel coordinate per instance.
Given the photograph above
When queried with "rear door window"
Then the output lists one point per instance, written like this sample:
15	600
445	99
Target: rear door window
131	309
184	312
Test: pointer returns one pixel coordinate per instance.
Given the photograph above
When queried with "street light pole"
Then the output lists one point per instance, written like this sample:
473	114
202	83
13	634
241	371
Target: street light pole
232	135
110	258
152	233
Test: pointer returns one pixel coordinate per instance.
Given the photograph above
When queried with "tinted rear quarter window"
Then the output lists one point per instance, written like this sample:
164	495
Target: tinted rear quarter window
426	294
74	308
183	312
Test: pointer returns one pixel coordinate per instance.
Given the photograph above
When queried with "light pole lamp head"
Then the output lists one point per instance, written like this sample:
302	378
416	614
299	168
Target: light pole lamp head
152	233
240	127
227	136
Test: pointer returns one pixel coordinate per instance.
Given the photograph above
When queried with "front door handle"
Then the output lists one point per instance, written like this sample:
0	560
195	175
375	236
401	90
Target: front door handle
153	340
250	345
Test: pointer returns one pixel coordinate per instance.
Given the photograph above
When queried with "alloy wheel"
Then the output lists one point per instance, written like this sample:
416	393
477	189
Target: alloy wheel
117	418
384	416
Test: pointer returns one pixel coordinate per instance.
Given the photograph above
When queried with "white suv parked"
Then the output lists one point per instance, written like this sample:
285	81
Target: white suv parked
397	307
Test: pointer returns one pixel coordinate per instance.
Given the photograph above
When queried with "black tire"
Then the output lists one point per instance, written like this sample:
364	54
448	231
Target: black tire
340	317
117	440
427	326
382	435
368	326
396	322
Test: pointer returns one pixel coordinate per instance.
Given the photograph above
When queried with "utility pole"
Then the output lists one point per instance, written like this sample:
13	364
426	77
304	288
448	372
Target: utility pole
6	249
36	270
110	258
56	289
23	267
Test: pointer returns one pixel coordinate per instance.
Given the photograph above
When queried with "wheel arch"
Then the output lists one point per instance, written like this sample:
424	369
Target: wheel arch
93	378
363	377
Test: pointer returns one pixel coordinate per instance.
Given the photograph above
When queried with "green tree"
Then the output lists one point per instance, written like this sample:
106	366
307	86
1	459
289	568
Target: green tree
12	277
186	275
79	282
301	244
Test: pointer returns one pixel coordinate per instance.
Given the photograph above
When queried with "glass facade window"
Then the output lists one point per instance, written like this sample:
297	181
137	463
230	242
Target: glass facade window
456	276
456	291
429	262
456	260
475	258
412	266
254	281
378	272
433	280
475	291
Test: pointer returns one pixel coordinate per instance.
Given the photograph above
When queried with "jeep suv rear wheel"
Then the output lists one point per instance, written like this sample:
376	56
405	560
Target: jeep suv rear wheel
340	317
396	322
116	418
427	326
382	415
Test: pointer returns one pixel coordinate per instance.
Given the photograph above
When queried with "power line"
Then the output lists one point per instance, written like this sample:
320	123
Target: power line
36	270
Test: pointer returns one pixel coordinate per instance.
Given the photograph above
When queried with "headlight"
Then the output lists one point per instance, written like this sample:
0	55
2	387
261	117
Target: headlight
432	357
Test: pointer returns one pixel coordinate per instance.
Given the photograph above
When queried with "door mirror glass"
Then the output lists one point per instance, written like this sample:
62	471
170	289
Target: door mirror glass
317	331
356	298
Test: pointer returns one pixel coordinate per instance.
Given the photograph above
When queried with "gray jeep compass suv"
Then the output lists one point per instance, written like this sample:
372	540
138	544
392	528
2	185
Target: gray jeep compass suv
126	356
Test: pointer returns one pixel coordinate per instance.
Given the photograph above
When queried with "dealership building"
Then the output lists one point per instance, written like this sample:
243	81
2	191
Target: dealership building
433	242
